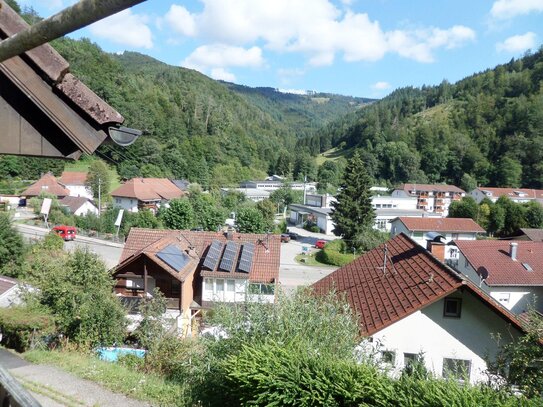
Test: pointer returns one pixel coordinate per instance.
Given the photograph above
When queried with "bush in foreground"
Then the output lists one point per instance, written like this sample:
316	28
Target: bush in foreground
22	327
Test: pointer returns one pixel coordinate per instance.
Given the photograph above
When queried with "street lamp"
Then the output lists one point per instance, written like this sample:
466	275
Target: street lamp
124	136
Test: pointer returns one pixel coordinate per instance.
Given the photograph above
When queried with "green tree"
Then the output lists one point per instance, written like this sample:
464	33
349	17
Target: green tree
534	215
11	246
353	213
496	219
468	183
508	172
179	215
250	220
268	210
208	212
465	208
99	179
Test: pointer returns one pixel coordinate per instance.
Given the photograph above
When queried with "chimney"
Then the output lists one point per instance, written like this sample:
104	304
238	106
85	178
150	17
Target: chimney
437	249
513	251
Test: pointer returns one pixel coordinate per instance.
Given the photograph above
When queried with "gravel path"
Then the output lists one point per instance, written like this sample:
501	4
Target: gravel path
55	388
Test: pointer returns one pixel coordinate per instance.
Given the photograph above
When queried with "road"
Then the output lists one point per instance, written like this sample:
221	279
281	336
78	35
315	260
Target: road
109	252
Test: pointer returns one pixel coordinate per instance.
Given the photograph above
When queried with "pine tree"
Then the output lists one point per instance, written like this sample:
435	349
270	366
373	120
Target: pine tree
353	213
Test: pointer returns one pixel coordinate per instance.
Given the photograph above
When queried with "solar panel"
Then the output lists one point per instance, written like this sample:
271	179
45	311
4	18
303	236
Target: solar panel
227	262
174	257
213	255
246	260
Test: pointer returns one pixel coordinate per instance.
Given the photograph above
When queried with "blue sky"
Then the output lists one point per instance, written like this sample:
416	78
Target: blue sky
352	47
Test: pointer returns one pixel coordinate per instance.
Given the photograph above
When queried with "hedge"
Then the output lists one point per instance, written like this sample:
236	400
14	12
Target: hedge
21	326
334	254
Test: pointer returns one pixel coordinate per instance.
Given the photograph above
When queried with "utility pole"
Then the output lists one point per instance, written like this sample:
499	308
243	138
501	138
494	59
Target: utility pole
305	179
99	196
73	18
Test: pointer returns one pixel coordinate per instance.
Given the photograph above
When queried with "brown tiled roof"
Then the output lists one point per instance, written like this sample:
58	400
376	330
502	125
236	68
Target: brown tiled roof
73	202
265	267
7	283
502	270
148	189
431	188
47	183
413	279
513	192
73	178
441	224
535	235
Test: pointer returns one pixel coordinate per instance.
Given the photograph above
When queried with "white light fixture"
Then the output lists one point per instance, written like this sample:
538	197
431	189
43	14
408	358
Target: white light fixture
124	136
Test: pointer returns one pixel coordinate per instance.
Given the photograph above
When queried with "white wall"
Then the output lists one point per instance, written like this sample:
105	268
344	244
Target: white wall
79	190
128	204
394	202
468	337
86	208
231	290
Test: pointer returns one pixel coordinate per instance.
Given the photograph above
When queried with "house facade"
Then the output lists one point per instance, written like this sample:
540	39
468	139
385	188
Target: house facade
410	304
518	195
274	184
75	181
195	270
252	194
46	184
509	271
79	206
431	198
145	193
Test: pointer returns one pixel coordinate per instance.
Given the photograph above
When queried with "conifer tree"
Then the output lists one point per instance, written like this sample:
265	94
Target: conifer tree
353	213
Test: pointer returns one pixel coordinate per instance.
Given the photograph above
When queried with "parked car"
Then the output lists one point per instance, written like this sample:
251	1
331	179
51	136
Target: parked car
319	244
293	235
285	238
65	232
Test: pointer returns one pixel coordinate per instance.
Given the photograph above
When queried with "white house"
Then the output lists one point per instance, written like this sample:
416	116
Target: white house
79	206
423	229
274	184
510	271
411	304
75	183
11	292
431	198
145	193
252	194
518	195
384	217
320	216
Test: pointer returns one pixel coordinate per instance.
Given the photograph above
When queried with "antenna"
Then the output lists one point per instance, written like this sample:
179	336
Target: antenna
385	257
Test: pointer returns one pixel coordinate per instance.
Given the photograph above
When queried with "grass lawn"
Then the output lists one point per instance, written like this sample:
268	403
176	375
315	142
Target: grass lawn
332	154
117	378
310	260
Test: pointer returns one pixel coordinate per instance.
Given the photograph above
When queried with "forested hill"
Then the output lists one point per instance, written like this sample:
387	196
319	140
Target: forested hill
485	129
204	130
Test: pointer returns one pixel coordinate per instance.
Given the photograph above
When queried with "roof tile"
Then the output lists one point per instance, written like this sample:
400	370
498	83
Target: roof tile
441	224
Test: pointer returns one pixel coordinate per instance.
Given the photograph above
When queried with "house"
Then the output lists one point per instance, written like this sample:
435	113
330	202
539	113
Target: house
510	271
10	292
384	216
317	209
432	198
518	195
46	184
274	183
252	194
145	193
46	111
410	304
197	269
79	206
74	182
423	229
531	234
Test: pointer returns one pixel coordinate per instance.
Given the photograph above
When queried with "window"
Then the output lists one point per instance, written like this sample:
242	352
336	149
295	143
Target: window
388	356
409	358
118	200
452	307
456	369
455	236
230	286
208	285
219	285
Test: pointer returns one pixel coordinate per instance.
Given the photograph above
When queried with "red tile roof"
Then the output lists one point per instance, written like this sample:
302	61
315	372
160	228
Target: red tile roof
413	279
265	267
535	235
431	188
441	224
502	270
513	192
74	202
47	183
148	189
73	178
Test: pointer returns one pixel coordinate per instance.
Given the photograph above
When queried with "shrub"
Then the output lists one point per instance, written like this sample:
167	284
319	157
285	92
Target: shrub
21	327
335	253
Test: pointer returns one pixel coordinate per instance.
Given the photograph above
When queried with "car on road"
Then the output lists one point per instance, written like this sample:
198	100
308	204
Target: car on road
319	244
285	238
65	232
293	235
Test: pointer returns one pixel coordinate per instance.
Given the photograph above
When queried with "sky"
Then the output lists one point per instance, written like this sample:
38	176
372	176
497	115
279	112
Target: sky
364	48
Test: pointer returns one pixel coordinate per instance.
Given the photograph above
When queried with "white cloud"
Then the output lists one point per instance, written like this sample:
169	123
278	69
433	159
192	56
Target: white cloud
124	28
517	43
507	9
315	28
220	56
381	86
221	74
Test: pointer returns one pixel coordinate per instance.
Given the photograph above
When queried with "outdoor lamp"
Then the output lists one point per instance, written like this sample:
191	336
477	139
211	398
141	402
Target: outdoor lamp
124	136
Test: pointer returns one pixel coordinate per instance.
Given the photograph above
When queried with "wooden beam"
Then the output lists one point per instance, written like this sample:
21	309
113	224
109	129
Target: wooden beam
79	15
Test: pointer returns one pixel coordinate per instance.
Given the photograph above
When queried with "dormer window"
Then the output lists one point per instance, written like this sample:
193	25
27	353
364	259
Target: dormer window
452	307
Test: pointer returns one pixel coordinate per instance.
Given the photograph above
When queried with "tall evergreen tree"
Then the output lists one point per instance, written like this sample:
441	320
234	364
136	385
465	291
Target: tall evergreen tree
353	213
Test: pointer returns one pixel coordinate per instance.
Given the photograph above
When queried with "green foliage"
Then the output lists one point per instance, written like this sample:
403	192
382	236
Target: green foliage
465	208
268	210
336	253
179	215
11	246
52	241
152	327
369	239
208	212
251	220
353	213
99	179
22	327
533	215
77	289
